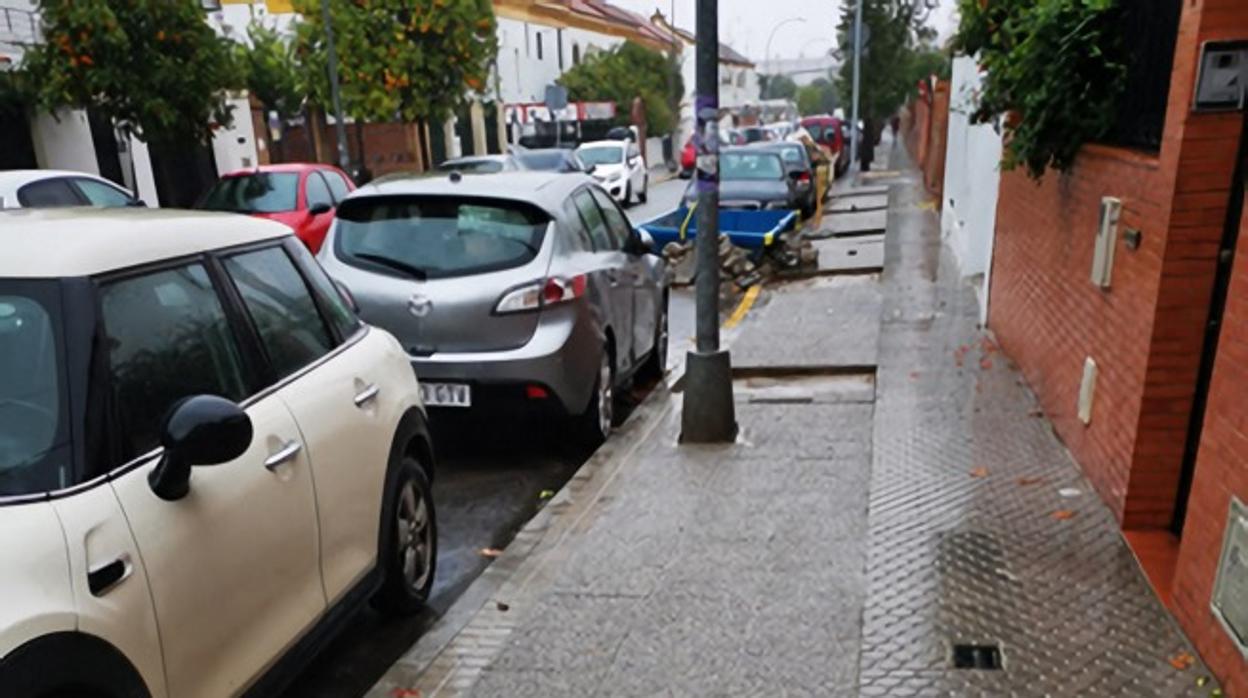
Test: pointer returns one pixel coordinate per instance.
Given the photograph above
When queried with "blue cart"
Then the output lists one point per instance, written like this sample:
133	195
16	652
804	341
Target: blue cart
752	230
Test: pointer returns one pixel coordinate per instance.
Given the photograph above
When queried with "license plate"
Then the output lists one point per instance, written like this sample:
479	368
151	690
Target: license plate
446	394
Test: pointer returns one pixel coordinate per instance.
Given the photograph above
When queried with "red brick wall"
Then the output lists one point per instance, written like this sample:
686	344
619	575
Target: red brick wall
938	131
1146	331
1221	471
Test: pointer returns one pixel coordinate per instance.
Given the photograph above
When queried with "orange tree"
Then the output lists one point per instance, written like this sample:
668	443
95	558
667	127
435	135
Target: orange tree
154	67
398	59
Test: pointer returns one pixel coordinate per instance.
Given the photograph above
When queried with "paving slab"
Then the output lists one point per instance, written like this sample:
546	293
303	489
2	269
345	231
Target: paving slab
822	323
864	190
850	253
854	223
852	201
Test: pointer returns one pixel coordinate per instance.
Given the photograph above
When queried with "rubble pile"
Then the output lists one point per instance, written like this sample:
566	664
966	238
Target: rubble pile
793	255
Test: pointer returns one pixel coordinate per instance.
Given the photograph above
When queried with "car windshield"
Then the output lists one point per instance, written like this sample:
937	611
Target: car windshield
262	192
438	237
547	160
34	435
601	155
738	166
472	166
792	156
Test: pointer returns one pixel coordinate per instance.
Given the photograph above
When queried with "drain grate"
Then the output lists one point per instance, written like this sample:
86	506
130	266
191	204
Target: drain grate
976	657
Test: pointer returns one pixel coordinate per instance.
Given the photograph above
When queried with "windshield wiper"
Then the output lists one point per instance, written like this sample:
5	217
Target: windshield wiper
381	260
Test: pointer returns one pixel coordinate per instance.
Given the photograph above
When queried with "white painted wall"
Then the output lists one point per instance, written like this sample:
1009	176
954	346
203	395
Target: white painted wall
972	178
63	141
523	74
235	148
145	180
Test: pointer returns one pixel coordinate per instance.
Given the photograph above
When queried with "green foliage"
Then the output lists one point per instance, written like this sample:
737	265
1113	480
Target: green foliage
1056	65
898	36
625	72
777	87
154	67
819	97
271	72
398	59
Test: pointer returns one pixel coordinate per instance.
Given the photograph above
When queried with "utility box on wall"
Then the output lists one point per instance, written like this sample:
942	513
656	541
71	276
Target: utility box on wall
1106	236
1230	591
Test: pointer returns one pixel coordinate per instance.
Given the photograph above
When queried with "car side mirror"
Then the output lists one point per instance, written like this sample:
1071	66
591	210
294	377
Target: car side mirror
318	209
198	430
589	169
639	243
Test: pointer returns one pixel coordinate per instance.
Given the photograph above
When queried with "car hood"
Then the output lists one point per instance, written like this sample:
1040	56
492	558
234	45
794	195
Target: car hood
604	172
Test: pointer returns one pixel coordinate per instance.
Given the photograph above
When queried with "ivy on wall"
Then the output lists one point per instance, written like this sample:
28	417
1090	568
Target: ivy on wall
1055	69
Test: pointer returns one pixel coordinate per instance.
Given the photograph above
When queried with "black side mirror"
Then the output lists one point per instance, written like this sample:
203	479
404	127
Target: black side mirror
639	243
589	169
318	209
198	430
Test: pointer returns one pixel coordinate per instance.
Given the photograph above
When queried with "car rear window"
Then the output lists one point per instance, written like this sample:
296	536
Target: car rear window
750	166
262	192
436	236
602	155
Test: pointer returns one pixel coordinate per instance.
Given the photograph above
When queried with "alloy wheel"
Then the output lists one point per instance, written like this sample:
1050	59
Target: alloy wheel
415	548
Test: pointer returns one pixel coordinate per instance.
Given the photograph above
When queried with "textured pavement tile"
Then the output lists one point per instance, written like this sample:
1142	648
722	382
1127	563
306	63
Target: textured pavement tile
819	323
838	254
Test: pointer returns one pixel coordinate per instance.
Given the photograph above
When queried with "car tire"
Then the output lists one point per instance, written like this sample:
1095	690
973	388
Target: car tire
408	552
594	424
656	364
645	190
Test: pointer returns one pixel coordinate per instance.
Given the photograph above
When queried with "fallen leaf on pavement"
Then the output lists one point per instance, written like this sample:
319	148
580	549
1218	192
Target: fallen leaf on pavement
1201	681
979	472
985	363
1026	481
1063	514
545	494
490	552
1182	660
914	375
1037	412
405	693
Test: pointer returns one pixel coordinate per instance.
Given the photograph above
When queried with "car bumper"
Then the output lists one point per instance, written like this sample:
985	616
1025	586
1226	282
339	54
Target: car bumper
561	357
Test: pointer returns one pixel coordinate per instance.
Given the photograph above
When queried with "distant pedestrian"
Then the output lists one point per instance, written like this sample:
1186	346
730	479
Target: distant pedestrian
866	147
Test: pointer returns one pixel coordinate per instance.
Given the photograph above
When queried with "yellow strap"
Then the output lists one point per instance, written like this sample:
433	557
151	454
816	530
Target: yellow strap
684	227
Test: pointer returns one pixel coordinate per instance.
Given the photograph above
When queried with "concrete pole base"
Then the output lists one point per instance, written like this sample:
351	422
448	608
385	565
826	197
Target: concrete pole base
709	414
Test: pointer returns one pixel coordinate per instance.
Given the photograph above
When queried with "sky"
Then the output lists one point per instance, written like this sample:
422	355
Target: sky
746	24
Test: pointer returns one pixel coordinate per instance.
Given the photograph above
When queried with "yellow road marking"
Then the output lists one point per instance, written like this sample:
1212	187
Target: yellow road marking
743	307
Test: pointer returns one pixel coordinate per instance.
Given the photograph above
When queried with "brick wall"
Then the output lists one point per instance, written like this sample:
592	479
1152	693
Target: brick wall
938	132
1221	471
1146	331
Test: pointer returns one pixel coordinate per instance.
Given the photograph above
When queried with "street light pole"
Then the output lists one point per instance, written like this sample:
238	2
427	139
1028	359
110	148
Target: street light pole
853	127
709	415
767	51
344	158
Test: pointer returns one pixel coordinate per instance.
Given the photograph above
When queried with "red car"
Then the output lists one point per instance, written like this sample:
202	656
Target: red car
827	132
688	156
301	195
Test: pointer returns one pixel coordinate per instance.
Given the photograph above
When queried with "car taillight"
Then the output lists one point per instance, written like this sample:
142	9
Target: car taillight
550	291
803	176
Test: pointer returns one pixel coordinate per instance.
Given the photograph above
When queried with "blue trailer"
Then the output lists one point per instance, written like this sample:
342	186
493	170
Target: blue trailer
752	230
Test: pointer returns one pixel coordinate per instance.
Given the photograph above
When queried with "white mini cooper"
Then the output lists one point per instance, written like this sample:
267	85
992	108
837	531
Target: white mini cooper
205	457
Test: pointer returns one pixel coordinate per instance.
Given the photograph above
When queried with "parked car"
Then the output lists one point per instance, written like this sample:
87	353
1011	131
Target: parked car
478	164
752	177
563	160
618	167
524	289
60	188
172	386
828	133
799	168
301	195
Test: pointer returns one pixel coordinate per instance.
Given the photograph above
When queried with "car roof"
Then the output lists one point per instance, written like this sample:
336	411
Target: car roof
604	143
11	180
281	167
63	242
547	190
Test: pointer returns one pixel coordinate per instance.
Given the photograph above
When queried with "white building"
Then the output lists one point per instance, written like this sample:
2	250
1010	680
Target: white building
738	76
972	177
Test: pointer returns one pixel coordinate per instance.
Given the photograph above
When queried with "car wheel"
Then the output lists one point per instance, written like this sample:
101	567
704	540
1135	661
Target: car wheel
656	364
645	190
596	422
409	548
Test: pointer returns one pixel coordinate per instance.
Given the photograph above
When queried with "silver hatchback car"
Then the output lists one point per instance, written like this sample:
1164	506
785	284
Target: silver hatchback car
527	288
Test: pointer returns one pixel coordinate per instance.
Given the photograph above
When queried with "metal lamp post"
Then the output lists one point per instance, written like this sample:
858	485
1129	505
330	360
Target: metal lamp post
709	415
767	51
853	127
344	158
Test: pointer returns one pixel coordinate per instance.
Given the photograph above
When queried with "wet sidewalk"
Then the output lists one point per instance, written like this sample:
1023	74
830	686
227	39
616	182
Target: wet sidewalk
891	511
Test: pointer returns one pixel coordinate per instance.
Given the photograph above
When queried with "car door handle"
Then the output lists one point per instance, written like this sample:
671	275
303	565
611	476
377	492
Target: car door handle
285	453
366	395
103	578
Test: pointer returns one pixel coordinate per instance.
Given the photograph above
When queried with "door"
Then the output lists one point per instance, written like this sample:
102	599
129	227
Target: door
345	407
611	270
645	304
316	193
233	567
1213	327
